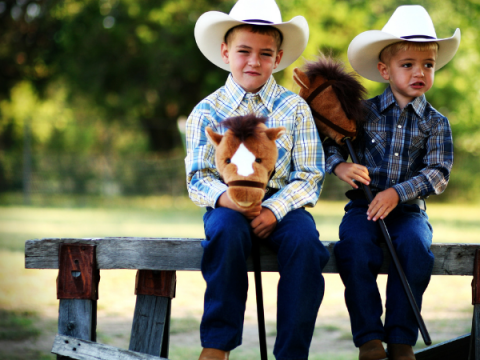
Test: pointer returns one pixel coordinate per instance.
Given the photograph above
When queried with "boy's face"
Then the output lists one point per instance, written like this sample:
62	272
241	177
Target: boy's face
252	58
410	74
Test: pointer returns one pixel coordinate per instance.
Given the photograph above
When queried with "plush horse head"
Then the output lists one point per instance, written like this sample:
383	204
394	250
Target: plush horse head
245	157
334	96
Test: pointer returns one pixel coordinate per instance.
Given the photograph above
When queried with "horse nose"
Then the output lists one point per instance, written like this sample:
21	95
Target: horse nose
244	159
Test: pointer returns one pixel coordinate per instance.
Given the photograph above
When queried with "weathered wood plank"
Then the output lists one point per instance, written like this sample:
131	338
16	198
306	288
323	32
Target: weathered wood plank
474	353
452	349
149	324
186	254
88	350
77	318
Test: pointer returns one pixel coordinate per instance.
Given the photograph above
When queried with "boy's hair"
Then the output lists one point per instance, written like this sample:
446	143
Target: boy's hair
256	29
391	50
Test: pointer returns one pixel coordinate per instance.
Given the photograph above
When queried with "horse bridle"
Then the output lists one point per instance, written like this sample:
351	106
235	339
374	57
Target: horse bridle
322	118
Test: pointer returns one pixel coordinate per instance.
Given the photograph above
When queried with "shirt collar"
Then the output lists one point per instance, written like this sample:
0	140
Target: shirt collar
418	104
236	94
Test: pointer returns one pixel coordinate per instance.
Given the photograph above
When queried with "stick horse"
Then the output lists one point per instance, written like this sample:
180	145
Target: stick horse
336	101
245	157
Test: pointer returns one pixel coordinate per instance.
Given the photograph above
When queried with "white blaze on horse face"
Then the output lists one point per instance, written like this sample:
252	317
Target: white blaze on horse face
244	159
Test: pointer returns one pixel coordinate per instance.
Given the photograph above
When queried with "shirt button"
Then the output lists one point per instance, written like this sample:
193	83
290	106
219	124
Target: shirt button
373	140
393	181
399	126
396	154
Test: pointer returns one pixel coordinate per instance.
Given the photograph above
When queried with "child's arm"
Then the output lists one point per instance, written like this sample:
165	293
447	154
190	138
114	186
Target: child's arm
301	165
203	180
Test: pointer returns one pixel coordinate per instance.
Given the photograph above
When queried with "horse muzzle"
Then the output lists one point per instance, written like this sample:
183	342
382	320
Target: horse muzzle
246	193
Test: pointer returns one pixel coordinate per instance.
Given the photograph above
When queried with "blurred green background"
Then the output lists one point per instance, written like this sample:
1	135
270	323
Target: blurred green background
92	92
93	95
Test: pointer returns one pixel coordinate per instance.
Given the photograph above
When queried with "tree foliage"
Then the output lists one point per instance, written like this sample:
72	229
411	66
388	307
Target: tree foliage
135	63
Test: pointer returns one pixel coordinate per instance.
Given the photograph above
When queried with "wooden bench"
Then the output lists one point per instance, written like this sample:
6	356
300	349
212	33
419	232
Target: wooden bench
157	259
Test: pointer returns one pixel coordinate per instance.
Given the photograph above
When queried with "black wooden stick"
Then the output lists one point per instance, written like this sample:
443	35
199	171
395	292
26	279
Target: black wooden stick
393	253
257	268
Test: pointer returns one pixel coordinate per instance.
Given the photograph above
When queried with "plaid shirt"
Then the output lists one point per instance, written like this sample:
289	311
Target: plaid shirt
410	150
300	168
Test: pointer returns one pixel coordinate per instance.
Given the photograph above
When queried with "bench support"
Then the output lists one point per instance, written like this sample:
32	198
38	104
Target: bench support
74	348
475	336
77	289
151	320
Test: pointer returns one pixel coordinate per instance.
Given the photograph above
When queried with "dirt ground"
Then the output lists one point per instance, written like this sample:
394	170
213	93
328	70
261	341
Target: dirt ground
445	319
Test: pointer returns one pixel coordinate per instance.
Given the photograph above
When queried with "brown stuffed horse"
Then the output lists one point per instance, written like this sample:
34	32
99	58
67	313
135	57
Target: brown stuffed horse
245	157
334	96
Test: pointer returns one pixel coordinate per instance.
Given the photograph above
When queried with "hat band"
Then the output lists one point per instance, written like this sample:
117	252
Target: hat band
418	36
258	21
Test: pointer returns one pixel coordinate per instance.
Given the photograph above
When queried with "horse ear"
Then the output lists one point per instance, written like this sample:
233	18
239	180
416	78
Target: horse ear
214	137
301	78
274	133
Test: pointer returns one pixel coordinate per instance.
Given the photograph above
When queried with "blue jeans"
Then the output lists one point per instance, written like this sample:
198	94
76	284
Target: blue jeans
301	258
359	258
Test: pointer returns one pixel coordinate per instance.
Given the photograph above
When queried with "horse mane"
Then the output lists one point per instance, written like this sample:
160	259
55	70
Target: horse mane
244	126
348	89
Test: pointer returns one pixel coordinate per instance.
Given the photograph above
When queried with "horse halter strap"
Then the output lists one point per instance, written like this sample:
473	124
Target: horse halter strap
322	118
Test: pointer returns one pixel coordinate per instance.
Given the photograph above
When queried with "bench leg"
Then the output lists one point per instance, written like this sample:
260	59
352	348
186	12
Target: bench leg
77	290
151	320
475	335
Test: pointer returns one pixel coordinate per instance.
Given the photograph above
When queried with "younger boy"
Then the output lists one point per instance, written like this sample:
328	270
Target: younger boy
252	42
405	148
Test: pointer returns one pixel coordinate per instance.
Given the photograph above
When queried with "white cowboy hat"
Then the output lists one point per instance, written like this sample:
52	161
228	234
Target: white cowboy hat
212	26
408	22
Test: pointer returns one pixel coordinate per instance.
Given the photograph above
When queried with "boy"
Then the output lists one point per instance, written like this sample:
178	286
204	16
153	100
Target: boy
252	43
405	148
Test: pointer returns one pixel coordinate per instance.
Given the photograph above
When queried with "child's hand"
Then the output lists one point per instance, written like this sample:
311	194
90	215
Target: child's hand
383	204
251	213
264	224
350	171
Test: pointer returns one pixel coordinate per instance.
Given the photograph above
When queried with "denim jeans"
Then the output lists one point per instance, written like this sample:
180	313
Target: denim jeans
359	258
301	258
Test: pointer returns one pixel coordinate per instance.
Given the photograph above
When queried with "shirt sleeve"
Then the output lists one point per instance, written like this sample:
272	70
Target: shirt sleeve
438	160
203	180
306	169
334	155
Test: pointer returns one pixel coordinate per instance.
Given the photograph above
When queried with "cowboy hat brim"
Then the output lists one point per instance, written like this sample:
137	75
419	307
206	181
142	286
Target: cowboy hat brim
212	26
365	48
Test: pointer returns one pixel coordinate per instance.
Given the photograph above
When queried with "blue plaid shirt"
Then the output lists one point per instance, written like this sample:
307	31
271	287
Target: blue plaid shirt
410	150
300	168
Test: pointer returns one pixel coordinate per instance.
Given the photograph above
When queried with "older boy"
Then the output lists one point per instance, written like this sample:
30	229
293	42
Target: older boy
252	42
405	148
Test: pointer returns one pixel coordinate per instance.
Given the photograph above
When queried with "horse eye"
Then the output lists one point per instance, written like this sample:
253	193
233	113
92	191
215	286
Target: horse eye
258	160
228	161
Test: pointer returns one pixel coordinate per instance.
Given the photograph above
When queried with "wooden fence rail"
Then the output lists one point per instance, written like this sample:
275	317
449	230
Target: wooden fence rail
156	259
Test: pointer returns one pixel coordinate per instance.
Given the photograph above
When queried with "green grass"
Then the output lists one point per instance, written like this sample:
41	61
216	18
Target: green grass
179	217
184	325
18	325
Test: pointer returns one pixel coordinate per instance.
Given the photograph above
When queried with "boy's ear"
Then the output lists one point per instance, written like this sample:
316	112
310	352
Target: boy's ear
301	78
224	53
383	69
275	133
214	137
278	58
